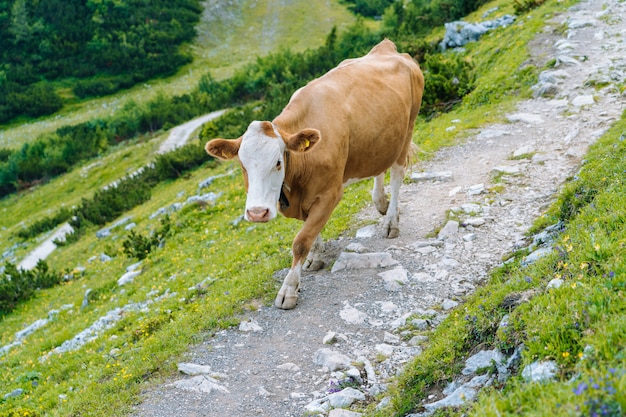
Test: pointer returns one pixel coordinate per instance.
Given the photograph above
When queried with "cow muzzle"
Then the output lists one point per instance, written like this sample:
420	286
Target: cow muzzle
258	214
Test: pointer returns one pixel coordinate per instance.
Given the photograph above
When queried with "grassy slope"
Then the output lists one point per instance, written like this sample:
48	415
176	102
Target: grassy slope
587	312
246	29
581	325
104	377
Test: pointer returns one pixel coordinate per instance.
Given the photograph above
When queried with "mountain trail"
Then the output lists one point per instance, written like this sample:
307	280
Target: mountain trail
276	363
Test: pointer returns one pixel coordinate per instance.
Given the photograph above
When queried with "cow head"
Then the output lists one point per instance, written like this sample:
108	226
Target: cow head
261	151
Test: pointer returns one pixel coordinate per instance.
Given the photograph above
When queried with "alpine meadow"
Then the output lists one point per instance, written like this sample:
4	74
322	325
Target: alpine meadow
121	258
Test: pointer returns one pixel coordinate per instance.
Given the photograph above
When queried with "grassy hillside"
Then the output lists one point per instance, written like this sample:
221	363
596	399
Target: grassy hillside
231	34
581	325
192	284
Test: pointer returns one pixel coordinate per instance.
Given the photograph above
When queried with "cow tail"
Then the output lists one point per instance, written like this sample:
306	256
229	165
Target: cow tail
411	155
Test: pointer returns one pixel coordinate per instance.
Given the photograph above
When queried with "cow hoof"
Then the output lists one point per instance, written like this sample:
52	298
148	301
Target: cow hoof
286	302
287	297
391	230
382	206
313	265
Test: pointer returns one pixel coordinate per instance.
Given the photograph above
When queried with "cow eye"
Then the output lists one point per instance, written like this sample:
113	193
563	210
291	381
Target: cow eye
278	165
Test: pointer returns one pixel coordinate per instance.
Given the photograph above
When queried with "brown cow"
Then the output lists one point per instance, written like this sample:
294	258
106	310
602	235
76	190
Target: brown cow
354	122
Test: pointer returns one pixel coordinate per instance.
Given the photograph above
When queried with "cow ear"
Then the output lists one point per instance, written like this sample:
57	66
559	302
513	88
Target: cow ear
223	148
303	140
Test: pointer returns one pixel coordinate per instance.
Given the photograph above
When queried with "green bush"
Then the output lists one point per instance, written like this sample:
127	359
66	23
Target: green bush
120	43
369	8
45	224
17	285
448	78
139	246
172	165
524	6
108	204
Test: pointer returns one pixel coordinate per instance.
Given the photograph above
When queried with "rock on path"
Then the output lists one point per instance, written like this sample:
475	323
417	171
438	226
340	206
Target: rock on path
377	318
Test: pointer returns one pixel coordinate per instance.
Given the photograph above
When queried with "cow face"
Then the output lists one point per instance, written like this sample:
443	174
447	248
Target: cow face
261	151
262	158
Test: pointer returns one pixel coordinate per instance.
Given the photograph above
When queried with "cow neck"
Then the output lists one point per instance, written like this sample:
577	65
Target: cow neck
283	200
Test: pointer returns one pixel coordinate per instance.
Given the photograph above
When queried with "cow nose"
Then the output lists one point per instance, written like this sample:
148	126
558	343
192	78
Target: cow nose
258	214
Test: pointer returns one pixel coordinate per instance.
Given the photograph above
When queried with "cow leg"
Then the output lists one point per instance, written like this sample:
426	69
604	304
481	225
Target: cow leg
391	222
314	260
319	213
378	194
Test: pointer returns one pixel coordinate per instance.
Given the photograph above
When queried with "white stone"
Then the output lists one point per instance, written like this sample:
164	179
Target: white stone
356	247
474	221
366	232
352	315
482	359
490	133
506	169
432	176
471	208
352	261
391	338
250	326
331	359
476	189
536	255
468	237
289	366
394	278
422	277
200	383
528	118
128	277
193	369
449	304
388	307
540	371
329	338
456	399
578	23
454	191
449	230
585	100
554	283
336	400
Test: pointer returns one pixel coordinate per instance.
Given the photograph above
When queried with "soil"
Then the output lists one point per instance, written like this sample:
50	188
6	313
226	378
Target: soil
271	371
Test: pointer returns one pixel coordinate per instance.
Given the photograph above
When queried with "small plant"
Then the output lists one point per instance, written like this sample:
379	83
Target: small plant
17	285
139	246
524	6
599	396
341	384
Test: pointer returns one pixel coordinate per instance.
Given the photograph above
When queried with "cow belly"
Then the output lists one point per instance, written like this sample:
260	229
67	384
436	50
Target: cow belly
353	180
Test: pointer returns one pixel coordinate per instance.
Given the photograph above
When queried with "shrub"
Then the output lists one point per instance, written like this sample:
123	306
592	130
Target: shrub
45	224
17	285
449	77
108	204
173	164
139	246
524	6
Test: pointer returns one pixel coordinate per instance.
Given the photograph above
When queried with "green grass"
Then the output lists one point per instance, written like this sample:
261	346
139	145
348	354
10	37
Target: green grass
581	325
205	244
105	376
256	28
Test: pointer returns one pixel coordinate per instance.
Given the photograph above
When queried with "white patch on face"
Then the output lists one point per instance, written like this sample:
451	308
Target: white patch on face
262	157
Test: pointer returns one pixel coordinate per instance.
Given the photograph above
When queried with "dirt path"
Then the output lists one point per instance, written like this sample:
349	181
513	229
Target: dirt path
273	366
180	134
